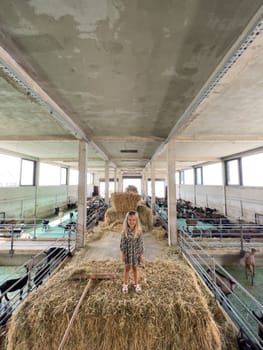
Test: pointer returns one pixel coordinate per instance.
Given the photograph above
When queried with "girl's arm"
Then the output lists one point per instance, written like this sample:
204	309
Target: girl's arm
123	245
140	246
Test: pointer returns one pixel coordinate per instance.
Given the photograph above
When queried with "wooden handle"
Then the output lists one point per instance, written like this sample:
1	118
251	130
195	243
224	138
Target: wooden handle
64	339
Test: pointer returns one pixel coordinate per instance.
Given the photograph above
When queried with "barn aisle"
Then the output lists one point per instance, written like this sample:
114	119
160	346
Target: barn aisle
108	247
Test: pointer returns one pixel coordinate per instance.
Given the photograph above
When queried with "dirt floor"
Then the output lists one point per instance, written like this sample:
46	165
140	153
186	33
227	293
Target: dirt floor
108	247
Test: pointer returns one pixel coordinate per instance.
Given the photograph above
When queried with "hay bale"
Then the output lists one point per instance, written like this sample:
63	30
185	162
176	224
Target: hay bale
146	216
159	233
123	202
131	188
111	216
171	313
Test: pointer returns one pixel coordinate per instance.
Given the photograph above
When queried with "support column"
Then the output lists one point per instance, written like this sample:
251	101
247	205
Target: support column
143	184
36	188
146	182
171	194
120	184
107	182
153	184
82	194
224	206
115	179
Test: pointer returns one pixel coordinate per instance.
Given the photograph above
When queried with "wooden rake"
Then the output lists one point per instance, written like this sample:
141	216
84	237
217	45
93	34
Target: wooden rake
91	277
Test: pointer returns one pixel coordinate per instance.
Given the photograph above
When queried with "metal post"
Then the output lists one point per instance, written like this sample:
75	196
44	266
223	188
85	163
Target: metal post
69	233
11	251
241	239
35	223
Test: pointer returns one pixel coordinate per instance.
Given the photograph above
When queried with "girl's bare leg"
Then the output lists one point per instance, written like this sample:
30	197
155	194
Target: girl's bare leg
135	274
126	274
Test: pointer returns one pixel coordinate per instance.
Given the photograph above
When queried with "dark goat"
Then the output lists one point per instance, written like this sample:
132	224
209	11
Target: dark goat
226	285
244	343
260	325
5	313
54	256
13	285
57	253
41	273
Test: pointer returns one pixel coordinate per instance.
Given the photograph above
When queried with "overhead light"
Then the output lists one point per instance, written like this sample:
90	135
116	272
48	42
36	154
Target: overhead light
129	151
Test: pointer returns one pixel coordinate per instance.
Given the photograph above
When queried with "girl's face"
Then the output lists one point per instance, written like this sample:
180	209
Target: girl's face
132	221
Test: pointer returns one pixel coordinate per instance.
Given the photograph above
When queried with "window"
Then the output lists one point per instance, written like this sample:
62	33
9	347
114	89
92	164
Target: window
177	177
90	178
181	177
212	174
159	188
189	177
233	172
63	176
252	168
27	172
198	176
49	175
73	177
102	187
9	171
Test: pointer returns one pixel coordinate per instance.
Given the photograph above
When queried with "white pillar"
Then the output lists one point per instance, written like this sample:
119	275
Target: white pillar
146	182
171	194
115	179
153	184
143	183
36	189
120	184
107	182
82	194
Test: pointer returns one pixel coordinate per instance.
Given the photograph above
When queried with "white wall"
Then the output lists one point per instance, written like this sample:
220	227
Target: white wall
22	202
236	202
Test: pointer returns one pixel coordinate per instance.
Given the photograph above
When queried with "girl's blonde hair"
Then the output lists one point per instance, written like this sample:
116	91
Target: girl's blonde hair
137	228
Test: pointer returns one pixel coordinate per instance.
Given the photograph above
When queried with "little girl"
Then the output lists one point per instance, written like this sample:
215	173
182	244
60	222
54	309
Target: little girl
132	249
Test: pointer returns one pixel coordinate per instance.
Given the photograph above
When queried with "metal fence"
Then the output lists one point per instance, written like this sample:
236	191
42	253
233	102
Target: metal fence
239	304
30	276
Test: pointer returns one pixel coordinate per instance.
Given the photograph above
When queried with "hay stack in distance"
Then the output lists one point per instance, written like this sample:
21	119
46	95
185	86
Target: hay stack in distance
171	313
124	201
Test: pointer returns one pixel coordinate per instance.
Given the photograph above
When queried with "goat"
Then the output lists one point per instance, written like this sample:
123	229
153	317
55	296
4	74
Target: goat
54	256
25	235
225	283
57	253
41	273
45	224
260	325
250	264
244	343
13	285
5	313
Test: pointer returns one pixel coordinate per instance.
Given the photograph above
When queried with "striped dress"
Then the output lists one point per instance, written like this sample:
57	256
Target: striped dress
132	248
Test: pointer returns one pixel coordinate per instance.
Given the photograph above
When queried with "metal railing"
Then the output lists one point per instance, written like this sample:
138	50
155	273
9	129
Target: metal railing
30	276
239	304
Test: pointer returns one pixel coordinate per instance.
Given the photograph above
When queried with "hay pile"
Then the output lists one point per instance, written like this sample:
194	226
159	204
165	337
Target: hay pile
131	188
146	216
112	216
171	313
124	201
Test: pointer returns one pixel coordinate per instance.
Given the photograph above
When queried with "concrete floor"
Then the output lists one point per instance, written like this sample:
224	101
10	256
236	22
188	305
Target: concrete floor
108	247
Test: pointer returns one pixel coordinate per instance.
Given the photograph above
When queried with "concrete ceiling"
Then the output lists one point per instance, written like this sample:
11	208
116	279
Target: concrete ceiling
128	77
